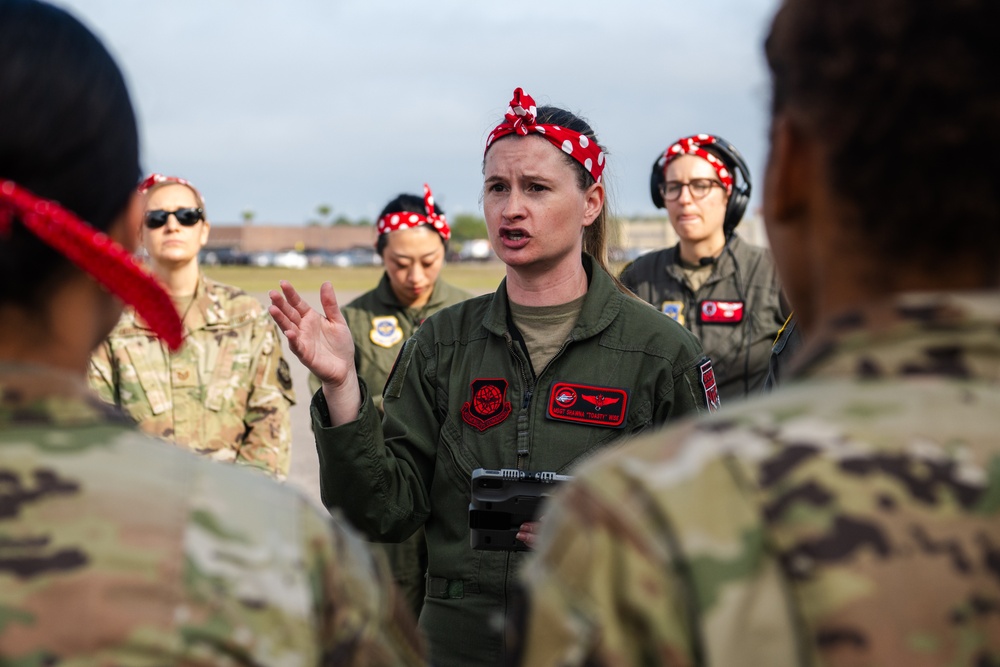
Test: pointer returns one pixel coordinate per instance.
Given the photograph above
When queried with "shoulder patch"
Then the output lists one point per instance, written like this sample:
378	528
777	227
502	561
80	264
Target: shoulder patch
709	386
489	405
587	404
385	331
673	310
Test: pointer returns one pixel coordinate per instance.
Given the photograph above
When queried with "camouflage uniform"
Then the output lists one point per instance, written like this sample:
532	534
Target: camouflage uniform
379	325
225	394
739	349
463	396
117	549
850	519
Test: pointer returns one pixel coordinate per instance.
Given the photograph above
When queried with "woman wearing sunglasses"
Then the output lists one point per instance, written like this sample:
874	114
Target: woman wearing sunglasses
227	392
557	364
718	286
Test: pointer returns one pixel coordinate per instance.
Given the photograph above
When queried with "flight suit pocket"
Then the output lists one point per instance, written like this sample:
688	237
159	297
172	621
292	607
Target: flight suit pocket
224	383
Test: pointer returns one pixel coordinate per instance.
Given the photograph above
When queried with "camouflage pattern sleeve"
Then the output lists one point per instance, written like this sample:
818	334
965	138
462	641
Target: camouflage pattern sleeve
101	375
268	438
364	620
616	580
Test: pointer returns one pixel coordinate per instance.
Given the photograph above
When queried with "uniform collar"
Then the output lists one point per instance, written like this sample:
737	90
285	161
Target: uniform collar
722	269
385	295
34	394
942	334
600	307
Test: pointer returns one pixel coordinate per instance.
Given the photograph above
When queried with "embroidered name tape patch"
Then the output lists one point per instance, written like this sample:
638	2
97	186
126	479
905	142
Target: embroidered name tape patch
721	312
708	383
587	404
488	406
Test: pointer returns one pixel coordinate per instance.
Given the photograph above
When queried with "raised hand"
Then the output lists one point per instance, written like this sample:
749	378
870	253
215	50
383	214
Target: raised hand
323	344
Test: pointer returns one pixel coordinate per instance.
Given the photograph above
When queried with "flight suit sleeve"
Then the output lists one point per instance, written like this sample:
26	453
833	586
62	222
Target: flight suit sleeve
267	419
379	472
363	619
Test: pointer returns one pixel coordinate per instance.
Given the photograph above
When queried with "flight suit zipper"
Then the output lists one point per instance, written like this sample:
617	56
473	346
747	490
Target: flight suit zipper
523	436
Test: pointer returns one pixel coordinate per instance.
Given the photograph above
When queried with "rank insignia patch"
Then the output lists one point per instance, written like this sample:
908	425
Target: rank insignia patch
674	310
587	404
708	384
385	331
489	405
721	312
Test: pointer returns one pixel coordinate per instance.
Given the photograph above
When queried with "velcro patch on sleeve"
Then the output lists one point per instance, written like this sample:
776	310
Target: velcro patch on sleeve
587	404
721	312
709	385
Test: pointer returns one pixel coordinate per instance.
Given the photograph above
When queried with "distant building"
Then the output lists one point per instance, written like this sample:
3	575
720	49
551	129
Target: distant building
256	237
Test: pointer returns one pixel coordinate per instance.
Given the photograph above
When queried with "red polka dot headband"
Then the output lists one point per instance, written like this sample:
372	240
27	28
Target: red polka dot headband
694	146
390	222
159	179
94	252
520	119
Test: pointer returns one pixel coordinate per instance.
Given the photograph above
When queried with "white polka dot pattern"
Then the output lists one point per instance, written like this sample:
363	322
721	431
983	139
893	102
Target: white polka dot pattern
520	119
394	221
694	146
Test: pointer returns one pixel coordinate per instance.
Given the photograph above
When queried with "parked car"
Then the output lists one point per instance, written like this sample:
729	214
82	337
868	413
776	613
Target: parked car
290	259
475	250
356	256
222	256
262	258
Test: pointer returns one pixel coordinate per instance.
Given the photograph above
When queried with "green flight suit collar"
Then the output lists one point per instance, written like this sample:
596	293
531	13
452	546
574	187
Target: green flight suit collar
724	266
600	307
385	295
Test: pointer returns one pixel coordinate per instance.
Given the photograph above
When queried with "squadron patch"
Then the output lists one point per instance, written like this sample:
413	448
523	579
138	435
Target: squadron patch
721	312
488	406
587	404
385	331
712	400
674	310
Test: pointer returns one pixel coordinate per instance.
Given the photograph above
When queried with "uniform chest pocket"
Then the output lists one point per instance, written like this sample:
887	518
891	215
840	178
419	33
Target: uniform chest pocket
144	368
225	383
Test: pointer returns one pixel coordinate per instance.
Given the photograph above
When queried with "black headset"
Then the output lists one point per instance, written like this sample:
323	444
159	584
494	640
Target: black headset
738	199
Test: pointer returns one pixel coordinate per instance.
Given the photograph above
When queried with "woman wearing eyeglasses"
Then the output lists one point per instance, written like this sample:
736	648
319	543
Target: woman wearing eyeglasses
723	289
226	393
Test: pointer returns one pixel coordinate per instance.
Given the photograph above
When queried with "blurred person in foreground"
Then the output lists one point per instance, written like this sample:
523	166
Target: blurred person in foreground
852	516
116	548
227	392
413	236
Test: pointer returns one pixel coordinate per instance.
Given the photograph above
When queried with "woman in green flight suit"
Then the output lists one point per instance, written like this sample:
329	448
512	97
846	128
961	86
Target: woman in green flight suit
556	365
413	237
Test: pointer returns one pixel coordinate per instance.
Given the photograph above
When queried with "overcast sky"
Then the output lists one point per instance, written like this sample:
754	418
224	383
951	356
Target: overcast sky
278	107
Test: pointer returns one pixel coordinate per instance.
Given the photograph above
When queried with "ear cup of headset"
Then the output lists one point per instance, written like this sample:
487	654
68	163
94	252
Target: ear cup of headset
656	182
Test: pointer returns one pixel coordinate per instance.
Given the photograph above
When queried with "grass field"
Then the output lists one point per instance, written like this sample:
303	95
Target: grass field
474	277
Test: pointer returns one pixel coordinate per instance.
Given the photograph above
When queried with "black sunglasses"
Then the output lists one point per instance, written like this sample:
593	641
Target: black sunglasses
188	217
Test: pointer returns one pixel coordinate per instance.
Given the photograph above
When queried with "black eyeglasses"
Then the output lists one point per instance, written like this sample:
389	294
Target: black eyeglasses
698	187
187	217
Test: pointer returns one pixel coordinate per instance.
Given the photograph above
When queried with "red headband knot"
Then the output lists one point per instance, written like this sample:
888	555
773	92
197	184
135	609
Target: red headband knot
694	146
520	119
94	252
159	179
391	222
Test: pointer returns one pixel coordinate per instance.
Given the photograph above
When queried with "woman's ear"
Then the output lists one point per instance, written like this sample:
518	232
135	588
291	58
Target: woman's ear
593	203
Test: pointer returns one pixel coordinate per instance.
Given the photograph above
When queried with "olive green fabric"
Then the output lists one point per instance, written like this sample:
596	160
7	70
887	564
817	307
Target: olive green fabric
414	468
851	517
379	325
659	279
544	329
225	394
785	347
119	549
